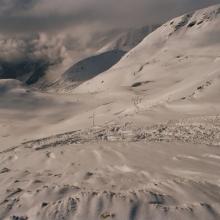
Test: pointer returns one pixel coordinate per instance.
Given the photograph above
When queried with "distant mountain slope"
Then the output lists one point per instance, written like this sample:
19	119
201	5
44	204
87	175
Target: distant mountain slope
102	60
93	65
41	58
87	69
180	60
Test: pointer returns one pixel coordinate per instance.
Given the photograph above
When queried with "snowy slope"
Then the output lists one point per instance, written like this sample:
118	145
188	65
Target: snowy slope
86	69
102	60
179	60
92	66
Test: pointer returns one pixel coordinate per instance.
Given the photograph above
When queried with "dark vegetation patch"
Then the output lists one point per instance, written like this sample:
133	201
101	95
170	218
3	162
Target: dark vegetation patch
137	84
191	24
185	19
200	22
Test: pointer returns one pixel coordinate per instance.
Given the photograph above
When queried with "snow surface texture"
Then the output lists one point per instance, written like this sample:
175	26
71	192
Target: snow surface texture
139	141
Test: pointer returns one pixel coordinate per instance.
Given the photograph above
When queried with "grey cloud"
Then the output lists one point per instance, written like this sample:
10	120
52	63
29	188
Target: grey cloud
10	7
51	15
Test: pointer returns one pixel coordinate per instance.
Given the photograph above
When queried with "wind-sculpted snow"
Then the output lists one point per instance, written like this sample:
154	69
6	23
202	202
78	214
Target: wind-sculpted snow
193	131
103	205
110	173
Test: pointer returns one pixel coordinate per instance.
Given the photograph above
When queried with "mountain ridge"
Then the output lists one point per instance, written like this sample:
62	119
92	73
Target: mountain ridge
179	58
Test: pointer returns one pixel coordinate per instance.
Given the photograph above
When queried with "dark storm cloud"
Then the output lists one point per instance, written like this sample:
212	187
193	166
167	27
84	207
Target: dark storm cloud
49	15
8	7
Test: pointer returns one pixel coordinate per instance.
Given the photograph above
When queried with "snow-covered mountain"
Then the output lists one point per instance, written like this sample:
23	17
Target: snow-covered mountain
42	59
102	59
180	60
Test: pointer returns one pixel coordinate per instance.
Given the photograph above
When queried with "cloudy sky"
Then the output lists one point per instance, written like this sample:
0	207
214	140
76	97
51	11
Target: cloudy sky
66	30
55	15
